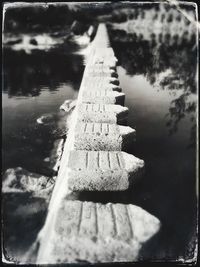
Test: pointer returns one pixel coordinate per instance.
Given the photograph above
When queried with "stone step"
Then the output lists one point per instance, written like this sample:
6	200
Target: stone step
102	55
102	113
103	136
97	87
102	51
101	40
99	81
102	170
101	73
108	61
95	232
99	67
104	97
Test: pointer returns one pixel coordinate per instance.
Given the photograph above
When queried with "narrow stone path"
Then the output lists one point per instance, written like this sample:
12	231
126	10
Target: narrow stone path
94	159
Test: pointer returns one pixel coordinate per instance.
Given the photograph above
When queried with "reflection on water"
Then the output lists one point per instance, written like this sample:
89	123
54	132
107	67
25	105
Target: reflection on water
167	65
168	187
158	75
34	85
27	75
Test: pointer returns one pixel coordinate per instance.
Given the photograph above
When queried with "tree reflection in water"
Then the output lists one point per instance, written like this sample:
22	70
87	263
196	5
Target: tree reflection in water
163	52
27	74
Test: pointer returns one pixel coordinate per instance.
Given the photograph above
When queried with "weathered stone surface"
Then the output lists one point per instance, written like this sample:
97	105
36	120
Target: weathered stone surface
110	87
106	61
102	170
104	97
102	113
96	84
101	73
101	39
99	82
101	54
100	68
106	87
103	136
84	231
94	232
19	180
68	105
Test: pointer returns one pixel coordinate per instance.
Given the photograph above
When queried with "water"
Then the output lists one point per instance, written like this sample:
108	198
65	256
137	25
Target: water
159	81
168	187
35	85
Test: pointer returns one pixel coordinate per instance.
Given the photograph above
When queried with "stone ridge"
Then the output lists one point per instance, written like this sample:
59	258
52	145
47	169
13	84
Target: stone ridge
100	71
109	113
99	81
102	170
93	160
96	232
104	97
103	136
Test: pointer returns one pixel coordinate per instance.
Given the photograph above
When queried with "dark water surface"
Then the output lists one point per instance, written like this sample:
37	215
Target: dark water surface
35	84
159	81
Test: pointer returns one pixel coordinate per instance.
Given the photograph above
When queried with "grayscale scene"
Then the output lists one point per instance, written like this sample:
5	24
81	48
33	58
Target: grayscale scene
99	154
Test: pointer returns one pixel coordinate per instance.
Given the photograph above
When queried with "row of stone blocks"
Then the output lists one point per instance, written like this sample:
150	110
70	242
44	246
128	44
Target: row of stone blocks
94	232
97	162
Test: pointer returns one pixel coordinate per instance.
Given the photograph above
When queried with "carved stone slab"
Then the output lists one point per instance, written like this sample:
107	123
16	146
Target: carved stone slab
102	170
94	232
103	136
102	113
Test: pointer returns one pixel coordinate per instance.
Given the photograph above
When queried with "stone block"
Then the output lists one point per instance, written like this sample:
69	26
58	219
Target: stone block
103	136
102	55
95	232
102	113
97	87
100	72
99	67
99	82
104	97
102	170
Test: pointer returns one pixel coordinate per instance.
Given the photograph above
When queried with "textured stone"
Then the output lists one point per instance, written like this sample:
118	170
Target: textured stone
98	70
68	105
99	67
101	84
85	231
109	61
94	232
99	81
102	170
104	97
103	136
101	73
102	113
101	54
19	180
107	88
